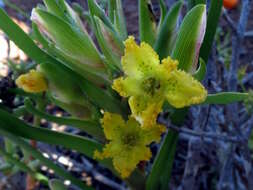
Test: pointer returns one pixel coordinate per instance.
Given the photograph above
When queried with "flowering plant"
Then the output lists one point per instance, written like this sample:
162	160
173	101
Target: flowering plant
114	90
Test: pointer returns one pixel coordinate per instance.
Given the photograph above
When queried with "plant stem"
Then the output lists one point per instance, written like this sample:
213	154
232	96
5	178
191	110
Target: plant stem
47	162
17	9
237	42
137	180
31	182
22	166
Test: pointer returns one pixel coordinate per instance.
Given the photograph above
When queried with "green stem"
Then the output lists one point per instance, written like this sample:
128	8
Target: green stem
17	9
91	127
136	181
19	111
30	179
22	166
225	98
9	147
36	122
20	92
159	176
40	105
173	139
5	167
36	154
161	170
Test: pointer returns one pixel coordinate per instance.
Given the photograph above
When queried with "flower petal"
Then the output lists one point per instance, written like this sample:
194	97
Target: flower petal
138	59
126	161
128	145
145	110
168	65
126	87
183	90
33	82
153	134
112	124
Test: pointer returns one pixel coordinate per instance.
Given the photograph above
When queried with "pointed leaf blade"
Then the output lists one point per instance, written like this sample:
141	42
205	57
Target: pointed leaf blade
147	23
70	41
201	72
214	13
167	31
189	38
119	20
226	98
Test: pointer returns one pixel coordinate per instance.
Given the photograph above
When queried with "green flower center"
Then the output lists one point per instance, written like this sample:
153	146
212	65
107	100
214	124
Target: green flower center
151	86
130	139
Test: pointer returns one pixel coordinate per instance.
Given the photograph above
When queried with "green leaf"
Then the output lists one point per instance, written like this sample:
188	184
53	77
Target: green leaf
190	36
61	9
9	147
3	107
112	38
5	167
91	127
37	155
39	37
21	39
162	166
201	72
166	35
192	3
119	20
24	42
18	10
70	41
95	10
23	167
163	10
98	96
29	47
111	103
98	76
56	184
214	13
75	110
78	9
18	127
53	7
147	23
66	90
101	98
110	44
74	48
161	169
225	98
111	9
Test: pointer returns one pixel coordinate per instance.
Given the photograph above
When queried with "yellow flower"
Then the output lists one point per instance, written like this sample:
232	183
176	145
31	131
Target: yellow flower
148	83
127	142
33	82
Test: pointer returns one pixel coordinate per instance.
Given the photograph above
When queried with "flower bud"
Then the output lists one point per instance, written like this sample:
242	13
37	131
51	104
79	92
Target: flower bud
66	90
71	45
33	82
65	93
